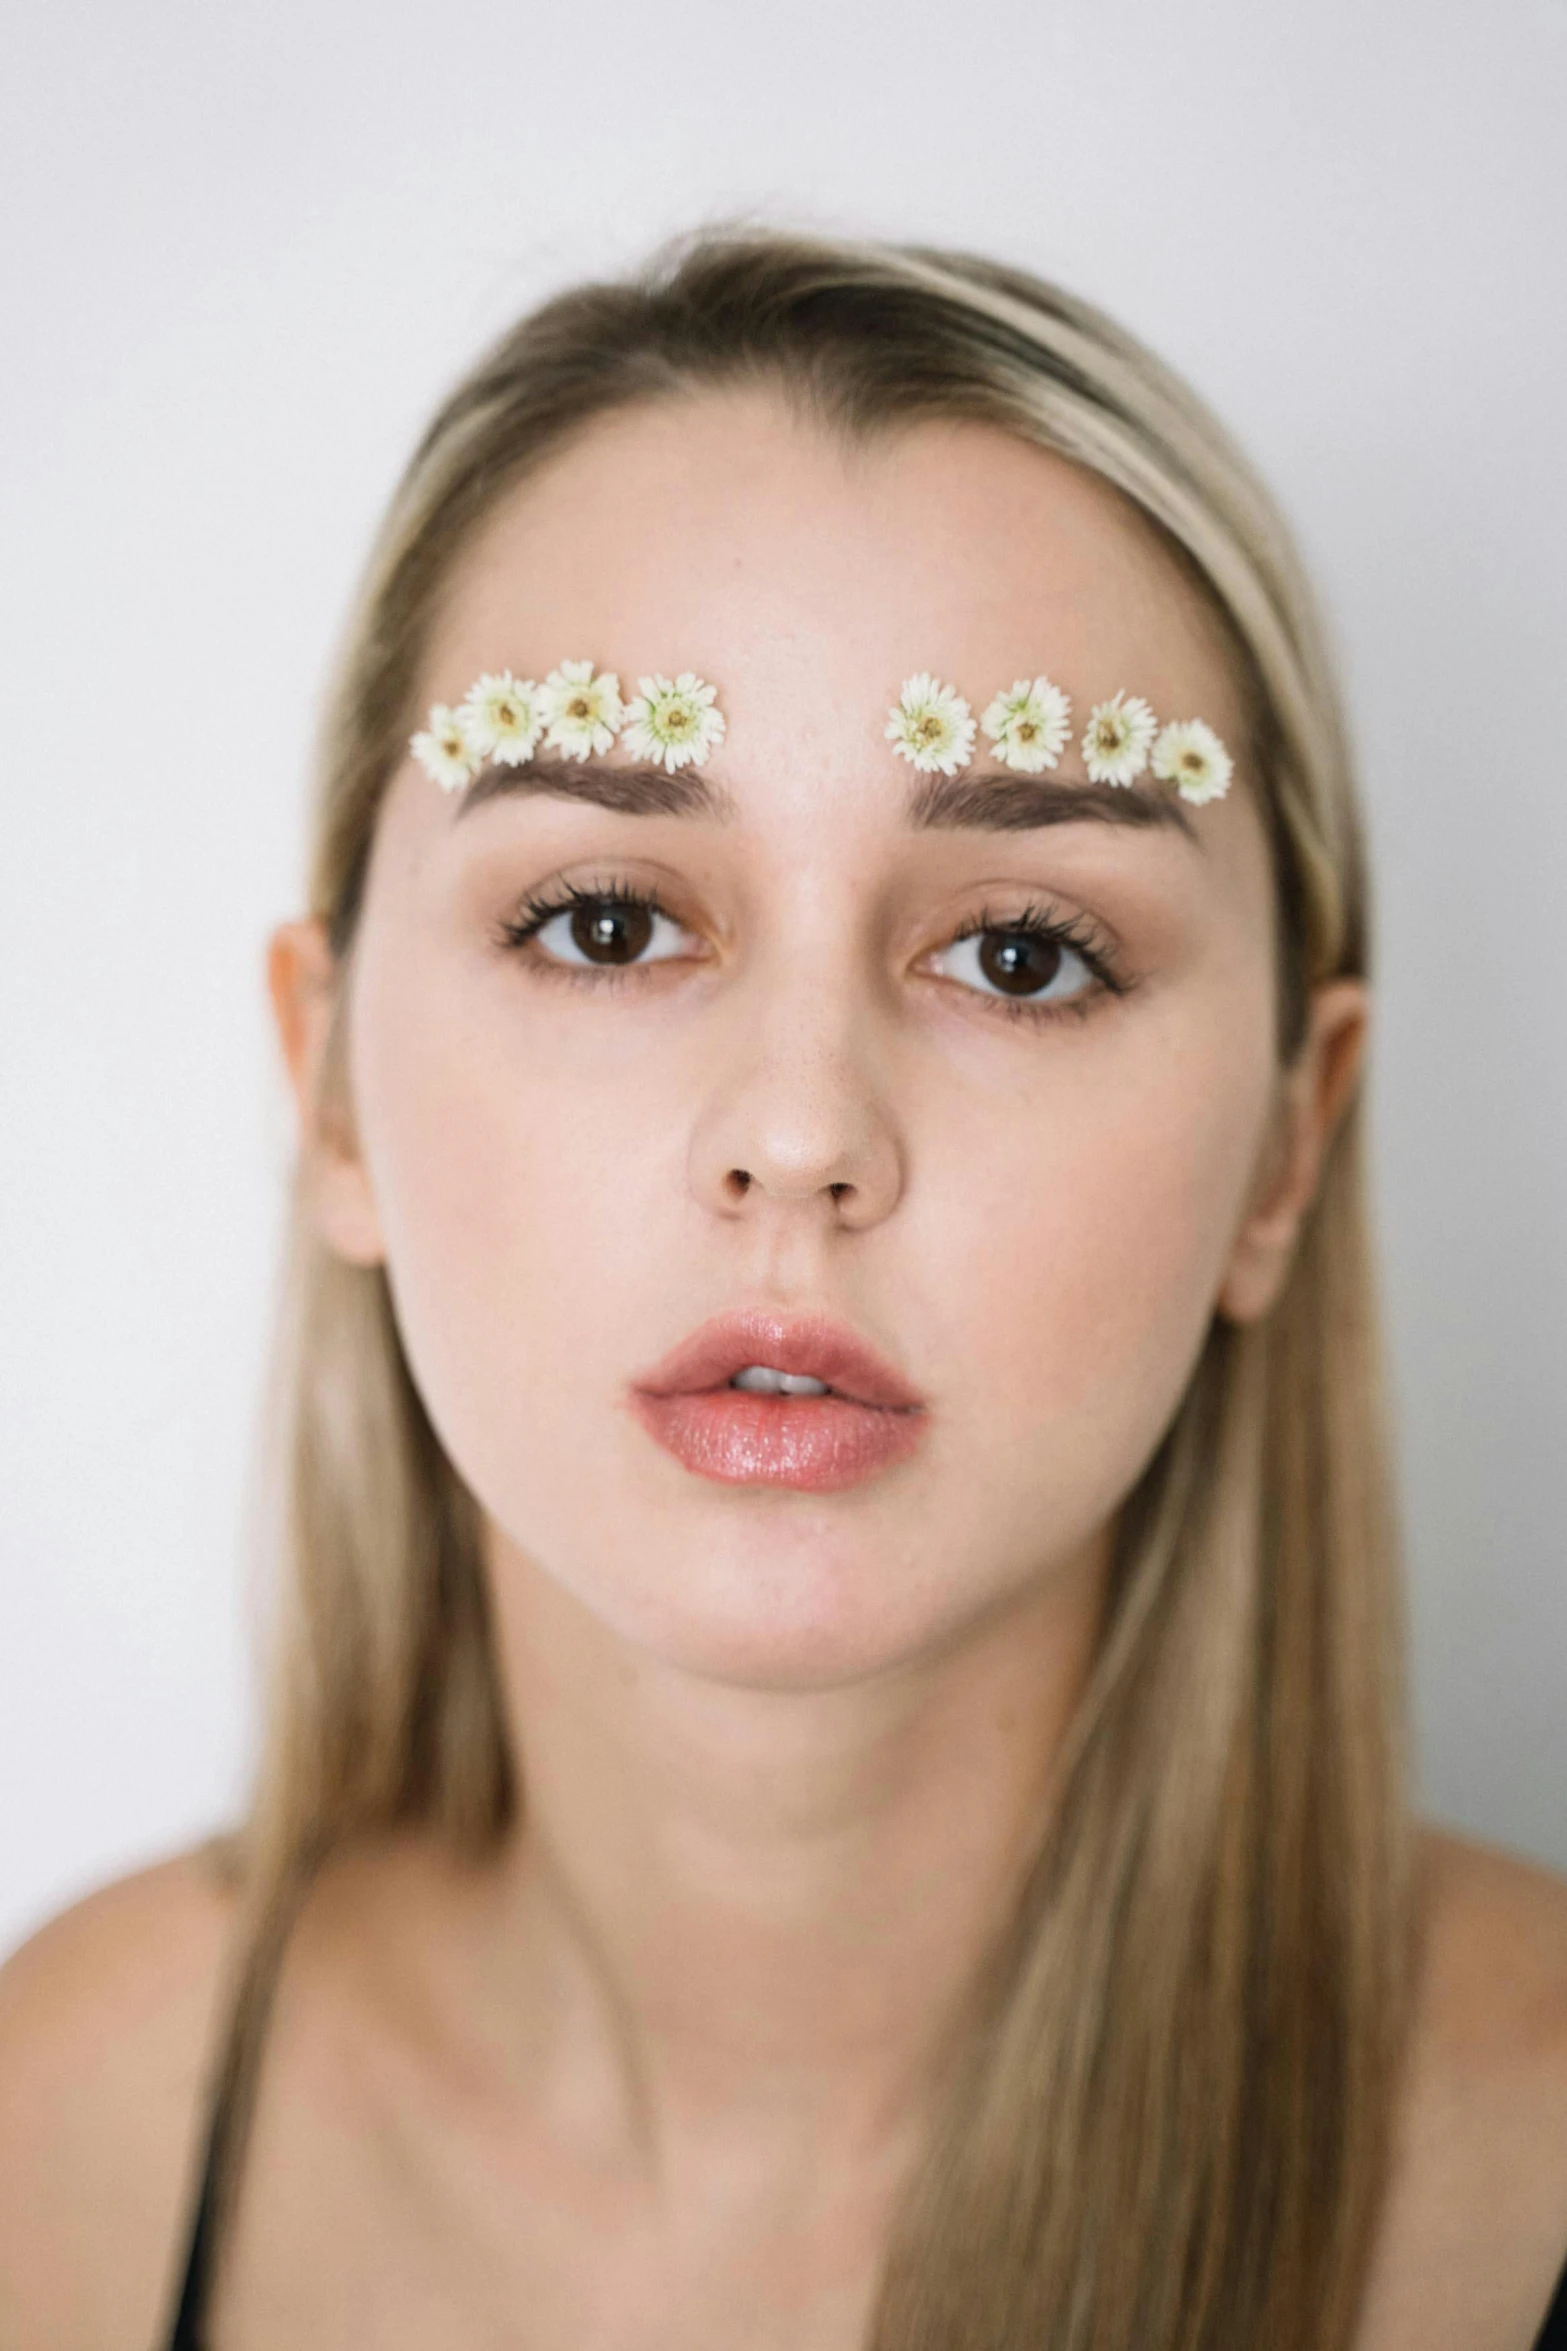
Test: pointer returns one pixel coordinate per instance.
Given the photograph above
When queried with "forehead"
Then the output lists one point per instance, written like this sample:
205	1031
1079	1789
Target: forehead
805	572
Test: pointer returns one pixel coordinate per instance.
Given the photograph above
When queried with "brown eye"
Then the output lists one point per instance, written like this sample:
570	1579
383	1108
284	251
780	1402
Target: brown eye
605	930
1019	962
1031	962
607	933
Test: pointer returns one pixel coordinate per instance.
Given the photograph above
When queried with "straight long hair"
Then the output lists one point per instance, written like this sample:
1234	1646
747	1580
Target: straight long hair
1167	2124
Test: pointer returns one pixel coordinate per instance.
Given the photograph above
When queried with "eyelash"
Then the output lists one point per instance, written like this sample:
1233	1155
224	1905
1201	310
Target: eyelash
1076	932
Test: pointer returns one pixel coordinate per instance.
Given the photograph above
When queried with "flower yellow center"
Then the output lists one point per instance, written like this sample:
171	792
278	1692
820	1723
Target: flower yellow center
678	719
927	727
1193	762
1026	730
579	707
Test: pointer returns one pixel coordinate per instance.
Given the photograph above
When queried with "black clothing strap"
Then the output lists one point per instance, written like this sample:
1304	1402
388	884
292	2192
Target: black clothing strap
230	2101
1553	2335
189	2332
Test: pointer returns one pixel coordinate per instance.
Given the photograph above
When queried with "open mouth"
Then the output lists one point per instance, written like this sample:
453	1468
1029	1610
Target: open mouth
760	1351
760	1379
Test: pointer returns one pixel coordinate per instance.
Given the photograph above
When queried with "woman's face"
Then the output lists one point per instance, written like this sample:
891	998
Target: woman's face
799	1089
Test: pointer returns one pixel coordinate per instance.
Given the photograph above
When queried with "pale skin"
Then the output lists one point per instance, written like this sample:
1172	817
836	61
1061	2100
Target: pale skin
654	2076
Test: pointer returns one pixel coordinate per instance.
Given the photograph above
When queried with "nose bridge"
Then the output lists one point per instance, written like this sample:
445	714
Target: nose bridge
797	1104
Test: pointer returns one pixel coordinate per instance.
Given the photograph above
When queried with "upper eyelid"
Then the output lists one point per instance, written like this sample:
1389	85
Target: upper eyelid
649	896
569	895
1083	930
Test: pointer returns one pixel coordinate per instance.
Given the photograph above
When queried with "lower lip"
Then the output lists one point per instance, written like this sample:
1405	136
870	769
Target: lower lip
815	1443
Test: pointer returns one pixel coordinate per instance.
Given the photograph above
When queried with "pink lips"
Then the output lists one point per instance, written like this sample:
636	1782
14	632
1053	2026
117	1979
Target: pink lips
740	1437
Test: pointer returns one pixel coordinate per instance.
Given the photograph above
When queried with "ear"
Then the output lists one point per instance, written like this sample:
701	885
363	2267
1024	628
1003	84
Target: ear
1313	1095
309	1004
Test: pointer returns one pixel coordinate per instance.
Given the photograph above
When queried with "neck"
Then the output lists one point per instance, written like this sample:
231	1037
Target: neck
772	1901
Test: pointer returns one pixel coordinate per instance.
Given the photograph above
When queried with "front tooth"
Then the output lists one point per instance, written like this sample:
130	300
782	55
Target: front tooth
762	1378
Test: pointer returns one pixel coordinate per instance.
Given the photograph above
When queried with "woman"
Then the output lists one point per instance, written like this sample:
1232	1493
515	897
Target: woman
837	1767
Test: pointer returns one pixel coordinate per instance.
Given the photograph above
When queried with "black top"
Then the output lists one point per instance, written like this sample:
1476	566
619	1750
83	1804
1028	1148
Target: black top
189	2332
190	2320
1553	2335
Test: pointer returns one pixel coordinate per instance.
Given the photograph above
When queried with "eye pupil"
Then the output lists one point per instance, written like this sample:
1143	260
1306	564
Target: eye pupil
611	934
1019	962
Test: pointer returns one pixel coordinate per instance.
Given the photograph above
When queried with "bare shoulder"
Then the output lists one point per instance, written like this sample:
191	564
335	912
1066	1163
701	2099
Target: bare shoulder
1494	1980
1475	2233
106	2020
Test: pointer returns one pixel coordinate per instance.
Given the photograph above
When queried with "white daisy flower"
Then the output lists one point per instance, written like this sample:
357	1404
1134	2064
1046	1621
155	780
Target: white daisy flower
1190	756
501	718
442	750
929	725
1029	725
1118	738
673	720
582	713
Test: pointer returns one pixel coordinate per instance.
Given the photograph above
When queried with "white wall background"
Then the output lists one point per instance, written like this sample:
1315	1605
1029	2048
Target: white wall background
246	246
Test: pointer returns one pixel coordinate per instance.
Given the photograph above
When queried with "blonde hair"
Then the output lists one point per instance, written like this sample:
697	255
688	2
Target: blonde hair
1168	2126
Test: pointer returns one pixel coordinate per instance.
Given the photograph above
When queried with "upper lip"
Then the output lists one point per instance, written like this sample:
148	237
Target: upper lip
812	1343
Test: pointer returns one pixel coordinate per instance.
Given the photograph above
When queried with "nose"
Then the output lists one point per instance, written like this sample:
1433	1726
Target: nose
797	1112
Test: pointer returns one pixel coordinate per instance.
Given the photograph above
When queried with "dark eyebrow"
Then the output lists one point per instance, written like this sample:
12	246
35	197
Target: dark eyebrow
1010	803
991	803
631	791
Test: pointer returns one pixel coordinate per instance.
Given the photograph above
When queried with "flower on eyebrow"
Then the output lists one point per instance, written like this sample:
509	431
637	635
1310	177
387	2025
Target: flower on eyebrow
1029	725
582	713
443	750
500	718
1190	756
1118	738
929	725
673	720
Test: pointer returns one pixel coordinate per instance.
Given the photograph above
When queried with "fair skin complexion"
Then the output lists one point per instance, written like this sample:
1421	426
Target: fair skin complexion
656	2074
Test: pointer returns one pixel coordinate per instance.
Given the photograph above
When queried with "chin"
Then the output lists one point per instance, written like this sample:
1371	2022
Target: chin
761	1605
795	1647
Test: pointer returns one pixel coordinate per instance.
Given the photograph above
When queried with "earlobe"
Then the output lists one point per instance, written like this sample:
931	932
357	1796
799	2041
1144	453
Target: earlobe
1313	1096
305	983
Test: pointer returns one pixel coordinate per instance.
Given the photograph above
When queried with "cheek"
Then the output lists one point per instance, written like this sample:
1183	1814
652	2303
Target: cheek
1077	1250
512	1196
